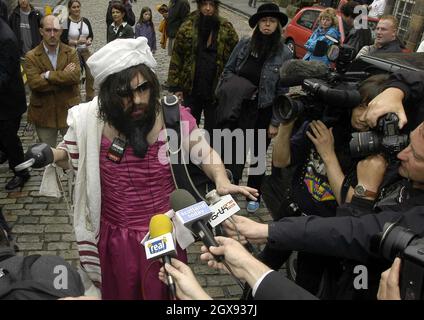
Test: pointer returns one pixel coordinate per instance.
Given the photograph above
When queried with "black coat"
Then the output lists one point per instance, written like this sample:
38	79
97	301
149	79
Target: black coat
34	19
3	10
12	90
412	84
178	11
277	287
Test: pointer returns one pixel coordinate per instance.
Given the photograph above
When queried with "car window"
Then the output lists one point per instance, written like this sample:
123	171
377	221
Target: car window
307	19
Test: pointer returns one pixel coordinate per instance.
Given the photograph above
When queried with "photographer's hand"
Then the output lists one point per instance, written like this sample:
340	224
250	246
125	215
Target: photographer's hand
389	283
370	172
323	139
272	131
390	100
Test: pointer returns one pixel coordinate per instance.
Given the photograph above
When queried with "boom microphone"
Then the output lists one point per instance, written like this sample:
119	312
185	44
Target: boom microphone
293	72
161	245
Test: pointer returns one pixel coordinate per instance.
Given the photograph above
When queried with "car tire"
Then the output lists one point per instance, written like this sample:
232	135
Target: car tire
290	44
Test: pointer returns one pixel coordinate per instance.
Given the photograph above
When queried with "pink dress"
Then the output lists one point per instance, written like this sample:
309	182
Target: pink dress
132	192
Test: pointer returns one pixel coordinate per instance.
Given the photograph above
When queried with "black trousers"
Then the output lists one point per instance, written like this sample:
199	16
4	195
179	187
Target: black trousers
10	143
197	104
254	120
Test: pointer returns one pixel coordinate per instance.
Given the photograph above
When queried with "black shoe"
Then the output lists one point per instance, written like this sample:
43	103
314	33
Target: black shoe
3	157
17	182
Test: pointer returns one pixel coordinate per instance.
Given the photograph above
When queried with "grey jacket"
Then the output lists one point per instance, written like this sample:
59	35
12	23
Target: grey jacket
269	86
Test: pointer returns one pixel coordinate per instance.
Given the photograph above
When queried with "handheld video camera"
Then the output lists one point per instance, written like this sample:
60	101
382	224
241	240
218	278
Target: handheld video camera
385	138
324	98
398	241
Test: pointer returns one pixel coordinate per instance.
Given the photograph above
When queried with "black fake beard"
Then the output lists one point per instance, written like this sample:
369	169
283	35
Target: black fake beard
207	24
135	131
263	45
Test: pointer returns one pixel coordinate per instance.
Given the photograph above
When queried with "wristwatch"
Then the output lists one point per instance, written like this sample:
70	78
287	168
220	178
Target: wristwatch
362	192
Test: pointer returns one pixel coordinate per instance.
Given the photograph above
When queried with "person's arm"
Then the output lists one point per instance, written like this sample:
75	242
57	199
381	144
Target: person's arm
35	81
402	87
68	76
90	30
281	153
8	63
182	45
323	139
267	284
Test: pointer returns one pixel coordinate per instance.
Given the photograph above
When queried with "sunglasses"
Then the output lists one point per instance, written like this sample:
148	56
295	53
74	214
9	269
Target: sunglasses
129	92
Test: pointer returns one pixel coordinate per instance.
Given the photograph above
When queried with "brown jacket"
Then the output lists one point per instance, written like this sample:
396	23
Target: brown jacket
51	99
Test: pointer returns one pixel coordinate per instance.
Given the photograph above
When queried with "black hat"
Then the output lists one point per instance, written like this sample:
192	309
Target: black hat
268	10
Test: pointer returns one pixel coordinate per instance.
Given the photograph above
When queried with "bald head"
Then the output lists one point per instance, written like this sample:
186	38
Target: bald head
50	30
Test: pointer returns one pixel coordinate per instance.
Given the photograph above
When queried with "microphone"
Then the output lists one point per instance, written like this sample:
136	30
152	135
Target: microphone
161	245
293	72
194	216
222	207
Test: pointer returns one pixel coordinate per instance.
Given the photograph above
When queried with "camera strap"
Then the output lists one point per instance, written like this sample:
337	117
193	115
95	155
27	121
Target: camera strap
347	183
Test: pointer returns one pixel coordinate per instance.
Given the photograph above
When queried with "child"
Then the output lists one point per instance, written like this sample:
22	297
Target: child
145	28
163	10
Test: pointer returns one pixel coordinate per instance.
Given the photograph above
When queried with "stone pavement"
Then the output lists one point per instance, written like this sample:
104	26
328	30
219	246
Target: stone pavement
42	225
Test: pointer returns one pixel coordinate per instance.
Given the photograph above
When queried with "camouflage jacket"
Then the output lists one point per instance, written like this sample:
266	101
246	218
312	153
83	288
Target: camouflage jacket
183	60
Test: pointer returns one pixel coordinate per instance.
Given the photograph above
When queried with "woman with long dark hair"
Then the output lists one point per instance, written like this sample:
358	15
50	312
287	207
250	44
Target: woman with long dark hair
146	28
257	60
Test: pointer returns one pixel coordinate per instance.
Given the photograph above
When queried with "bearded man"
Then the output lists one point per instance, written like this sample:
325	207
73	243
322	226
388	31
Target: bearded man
202	47
114	147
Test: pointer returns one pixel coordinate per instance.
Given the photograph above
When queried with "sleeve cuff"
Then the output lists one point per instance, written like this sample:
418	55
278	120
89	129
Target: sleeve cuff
256	286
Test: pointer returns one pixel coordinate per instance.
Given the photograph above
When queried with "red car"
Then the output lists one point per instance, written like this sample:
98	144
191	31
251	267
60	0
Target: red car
300	28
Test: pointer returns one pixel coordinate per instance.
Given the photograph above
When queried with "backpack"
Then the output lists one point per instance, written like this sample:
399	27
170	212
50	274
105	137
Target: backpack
34	277
186	175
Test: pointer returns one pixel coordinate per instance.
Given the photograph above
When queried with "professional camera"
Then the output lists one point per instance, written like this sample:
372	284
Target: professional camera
385	138
316	100
398	241
326	93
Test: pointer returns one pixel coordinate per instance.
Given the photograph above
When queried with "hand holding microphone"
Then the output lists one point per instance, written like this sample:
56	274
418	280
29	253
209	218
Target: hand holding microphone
242	264
188	288
38	155
161	245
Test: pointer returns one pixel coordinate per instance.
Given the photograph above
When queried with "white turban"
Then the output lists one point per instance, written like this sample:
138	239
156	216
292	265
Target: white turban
119	55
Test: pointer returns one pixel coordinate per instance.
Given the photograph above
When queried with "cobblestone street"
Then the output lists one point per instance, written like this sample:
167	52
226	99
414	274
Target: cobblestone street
43	225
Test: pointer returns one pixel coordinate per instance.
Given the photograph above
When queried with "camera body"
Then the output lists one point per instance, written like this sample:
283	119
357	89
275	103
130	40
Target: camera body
326	97
398	241
385	138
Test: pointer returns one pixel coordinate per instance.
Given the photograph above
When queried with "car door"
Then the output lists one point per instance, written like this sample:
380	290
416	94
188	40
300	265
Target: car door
305	25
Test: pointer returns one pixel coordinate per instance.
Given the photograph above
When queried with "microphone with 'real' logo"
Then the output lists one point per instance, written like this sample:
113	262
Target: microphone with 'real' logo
161	245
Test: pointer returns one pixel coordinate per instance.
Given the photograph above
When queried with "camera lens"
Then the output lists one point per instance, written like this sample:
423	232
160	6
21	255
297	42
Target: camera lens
394	240
363	144
287	108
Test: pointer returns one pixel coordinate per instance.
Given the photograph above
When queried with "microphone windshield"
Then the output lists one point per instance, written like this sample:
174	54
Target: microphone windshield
181	199
160	224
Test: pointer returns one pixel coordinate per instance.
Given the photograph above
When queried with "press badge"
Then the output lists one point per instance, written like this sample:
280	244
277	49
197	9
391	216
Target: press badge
116	150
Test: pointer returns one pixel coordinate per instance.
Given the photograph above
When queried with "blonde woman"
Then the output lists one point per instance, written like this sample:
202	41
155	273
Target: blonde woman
318	44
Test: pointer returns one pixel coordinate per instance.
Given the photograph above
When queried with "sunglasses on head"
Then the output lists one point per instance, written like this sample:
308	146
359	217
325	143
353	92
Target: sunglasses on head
129	92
